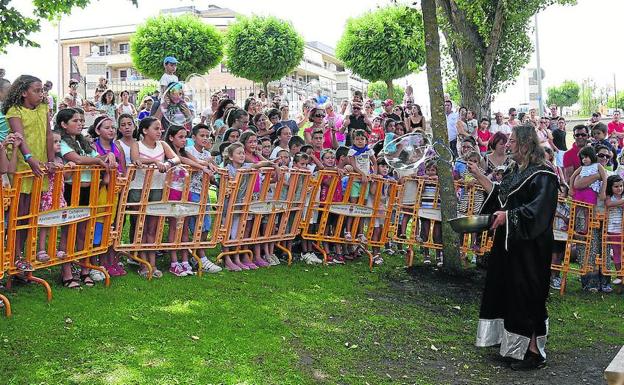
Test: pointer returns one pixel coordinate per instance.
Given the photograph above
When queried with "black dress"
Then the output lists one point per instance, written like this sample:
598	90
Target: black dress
513	306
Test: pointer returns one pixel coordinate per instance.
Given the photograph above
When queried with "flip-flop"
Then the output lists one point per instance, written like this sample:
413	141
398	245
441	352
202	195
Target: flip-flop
87	280
70	283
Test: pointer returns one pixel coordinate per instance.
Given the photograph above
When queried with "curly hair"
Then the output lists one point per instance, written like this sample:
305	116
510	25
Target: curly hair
19	86
529	146
103	97
78	143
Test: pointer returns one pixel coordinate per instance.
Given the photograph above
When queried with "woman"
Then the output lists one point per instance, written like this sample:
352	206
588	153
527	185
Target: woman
497	156
513	307
415	120
544	135
125	107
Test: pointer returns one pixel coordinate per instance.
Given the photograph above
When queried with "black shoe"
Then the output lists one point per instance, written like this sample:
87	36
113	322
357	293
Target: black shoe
531	361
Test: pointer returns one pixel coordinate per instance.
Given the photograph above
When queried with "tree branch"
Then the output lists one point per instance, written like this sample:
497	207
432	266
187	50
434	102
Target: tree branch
460	24
494	42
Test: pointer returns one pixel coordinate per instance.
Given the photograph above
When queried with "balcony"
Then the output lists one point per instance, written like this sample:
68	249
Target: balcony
117	58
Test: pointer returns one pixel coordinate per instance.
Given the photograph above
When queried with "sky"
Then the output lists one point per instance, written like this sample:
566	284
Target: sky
576	42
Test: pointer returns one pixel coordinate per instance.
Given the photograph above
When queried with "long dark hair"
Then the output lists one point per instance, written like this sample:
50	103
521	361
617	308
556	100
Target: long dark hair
613	179
97	122
221	108
143	125
126	116
173	131
19	86
103	97
79	143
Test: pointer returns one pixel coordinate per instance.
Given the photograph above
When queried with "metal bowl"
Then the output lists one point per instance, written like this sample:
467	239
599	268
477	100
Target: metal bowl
471	223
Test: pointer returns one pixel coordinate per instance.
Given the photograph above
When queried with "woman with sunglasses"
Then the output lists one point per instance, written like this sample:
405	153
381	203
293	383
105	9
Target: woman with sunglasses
317	118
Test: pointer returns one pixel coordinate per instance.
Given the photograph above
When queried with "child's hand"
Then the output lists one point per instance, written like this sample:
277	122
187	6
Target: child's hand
68	164
138	163
602	196
162	167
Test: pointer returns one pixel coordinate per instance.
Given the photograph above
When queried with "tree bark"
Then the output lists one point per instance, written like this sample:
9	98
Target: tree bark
450	239
265	87
390	87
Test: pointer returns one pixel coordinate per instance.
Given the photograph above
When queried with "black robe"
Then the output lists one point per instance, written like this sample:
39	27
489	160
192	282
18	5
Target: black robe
513	306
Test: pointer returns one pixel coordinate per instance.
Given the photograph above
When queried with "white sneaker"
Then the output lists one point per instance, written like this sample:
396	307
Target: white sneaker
96	275
187	267
305	257
617	281
315	260
272	259
209	267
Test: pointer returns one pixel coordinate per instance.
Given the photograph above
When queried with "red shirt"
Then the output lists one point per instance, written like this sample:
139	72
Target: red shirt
617	127
485	136
571	157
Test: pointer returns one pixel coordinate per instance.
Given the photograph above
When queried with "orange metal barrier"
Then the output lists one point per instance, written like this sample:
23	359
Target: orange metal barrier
73	224
150	197
263	206
612	243
349	219
4	204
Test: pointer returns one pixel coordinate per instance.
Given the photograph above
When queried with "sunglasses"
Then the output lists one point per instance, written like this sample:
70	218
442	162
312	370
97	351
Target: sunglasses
319	116
356	108
607	156
580	135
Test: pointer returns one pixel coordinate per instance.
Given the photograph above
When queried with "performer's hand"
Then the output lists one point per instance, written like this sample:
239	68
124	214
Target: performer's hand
473	168
500	217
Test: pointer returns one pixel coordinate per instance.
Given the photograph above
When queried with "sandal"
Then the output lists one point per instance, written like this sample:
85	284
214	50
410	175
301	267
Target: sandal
42	256
22	265
70	283
143	273
348	236
87	280
61	254
377	260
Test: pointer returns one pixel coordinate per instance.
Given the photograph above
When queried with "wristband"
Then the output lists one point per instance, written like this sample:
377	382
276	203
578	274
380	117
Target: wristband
170	162
27	156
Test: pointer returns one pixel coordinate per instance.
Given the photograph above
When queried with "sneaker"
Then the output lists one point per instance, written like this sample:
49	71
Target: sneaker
440	261
315	259
378	260
131	261
209	267
607	289
617	281
120	269
23	265
362	238
339	259
348	236
177	270
593	290
113	271
427	260
555	283
330	259
273	260
187	267
96	275
157	273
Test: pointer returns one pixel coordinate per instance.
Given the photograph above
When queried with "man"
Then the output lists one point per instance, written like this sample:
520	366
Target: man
571	160
559	139
100	88
513	307
499	125
356	121
595	118
451	125
513	122
47	87
617	127
73	98
387	105
554	117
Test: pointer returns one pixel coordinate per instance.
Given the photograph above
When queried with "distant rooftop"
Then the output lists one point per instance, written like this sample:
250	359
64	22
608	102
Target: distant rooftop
322	47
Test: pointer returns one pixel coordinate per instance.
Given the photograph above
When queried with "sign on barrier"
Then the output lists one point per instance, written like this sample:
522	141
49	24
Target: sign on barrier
57	225
150	199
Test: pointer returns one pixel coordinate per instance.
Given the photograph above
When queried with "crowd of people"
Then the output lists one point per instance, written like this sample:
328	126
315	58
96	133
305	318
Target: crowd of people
350	137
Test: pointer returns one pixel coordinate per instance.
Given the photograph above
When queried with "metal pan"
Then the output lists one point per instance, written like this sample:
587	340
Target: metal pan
471	223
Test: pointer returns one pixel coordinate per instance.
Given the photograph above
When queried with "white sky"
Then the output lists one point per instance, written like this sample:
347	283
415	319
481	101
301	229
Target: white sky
576	42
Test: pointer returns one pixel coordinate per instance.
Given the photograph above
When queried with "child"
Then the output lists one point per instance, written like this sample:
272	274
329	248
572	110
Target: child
301	161
429	193
383	170
173	108
378	129
295	144
593	280
483	135
150	150
28	118
76	149
328	157
170	64
615	205
125	107
199	151
266	147
145	107
126	131
107	106
8	164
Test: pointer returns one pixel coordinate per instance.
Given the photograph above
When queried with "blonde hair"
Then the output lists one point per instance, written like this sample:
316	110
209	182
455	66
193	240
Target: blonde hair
228	153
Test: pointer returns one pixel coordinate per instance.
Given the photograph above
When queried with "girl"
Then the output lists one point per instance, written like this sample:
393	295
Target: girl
150	150
76	149
471	123
416	120
126	132
28	118
104	133
283	137
399	128
145	107
218	121
383	170
615	205
107	106
429	193
484	135
47	200
234	159
328	157
125	107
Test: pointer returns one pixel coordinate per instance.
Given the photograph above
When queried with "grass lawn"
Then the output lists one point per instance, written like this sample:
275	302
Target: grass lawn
297	325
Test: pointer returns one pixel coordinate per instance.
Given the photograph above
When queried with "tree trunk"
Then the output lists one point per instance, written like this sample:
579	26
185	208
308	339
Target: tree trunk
390	89
265	86
450	239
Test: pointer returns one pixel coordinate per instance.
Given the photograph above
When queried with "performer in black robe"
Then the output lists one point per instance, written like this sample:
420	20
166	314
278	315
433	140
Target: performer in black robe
513	308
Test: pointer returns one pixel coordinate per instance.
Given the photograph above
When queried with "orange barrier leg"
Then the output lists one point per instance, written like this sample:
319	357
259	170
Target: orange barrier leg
42	282
141	261
88	265
285	250
564	277
7	305
200	267
321	250
409	256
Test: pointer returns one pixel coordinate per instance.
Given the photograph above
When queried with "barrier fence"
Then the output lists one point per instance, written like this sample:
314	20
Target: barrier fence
3	266
186	211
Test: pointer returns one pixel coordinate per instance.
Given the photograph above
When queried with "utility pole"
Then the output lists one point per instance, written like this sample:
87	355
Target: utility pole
540	103
617	107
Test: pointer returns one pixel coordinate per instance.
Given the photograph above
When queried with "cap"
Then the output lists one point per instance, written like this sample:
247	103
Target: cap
170	59
388	102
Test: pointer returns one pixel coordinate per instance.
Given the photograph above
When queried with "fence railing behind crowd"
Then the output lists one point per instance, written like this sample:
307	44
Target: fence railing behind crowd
581	222
345	210
3	256
150	200
263	206
70	223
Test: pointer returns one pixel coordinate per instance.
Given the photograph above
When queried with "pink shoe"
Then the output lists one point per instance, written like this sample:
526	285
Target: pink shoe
262	263
112	270
241	265
120	270
232	267
251	265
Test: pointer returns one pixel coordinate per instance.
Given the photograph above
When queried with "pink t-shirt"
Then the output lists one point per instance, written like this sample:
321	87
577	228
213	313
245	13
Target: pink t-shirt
484	136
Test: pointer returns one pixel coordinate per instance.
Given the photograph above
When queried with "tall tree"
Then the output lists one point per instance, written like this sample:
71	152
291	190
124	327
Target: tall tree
262	49
379	91
384	45
564	95
450	239
16	27
588	99
489	43
196	45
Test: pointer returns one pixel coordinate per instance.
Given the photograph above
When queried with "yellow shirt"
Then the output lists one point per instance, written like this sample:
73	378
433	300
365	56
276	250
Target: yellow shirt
35	123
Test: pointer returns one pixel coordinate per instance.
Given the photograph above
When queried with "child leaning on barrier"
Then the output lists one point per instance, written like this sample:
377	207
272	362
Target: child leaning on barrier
200	151
383	170
428	196
150	150
328	157
615	205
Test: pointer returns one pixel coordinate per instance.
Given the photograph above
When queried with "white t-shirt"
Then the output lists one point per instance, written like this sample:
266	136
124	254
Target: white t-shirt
196	178
362	161
166	79
275	151
451	125
504	128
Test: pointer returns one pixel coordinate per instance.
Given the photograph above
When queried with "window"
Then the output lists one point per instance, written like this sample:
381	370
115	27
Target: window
124	48
123	74
74	50
103	50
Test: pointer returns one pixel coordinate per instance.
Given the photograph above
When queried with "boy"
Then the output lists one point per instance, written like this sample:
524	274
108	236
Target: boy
171	64
599	135
267	148
294	144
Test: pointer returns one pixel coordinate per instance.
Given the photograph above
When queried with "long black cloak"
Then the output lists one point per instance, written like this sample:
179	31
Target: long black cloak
513	306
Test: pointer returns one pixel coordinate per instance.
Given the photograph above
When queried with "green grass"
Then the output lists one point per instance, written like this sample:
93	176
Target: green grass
297	325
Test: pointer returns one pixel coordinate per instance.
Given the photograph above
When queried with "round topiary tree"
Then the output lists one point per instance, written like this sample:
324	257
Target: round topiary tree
197	46
262	49
384	45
